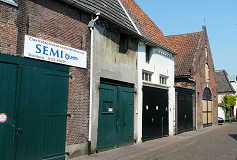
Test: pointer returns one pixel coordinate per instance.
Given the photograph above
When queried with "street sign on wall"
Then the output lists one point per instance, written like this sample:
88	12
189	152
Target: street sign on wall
53	52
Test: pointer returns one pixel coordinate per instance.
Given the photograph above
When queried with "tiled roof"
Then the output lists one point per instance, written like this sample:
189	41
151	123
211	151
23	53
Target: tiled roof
155	34
109	9
223	82
136	22
185	45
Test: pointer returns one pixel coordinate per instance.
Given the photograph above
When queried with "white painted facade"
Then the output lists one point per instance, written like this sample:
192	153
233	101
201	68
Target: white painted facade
234	85
161	63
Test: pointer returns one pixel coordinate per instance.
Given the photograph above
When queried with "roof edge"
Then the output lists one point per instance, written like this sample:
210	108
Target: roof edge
77	5
185	76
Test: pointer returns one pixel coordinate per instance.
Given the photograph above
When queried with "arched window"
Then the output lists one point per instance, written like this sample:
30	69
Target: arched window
207	94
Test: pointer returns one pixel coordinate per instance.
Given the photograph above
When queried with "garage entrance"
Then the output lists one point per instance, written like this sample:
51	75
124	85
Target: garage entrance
184	109
116	114
155	113
34	100
207	107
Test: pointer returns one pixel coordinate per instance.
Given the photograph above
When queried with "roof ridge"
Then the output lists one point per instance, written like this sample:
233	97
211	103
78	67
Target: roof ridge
184	34
152	30
227	78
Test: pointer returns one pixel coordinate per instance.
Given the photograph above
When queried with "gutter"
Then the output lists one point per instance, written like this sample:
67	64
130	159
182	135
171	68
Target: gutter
91	26
188	76
195	97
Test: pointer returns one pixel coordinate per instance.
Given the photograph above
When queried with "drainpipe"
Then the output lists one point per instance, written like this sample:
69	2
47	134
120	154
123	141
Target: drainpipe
91	26
195	97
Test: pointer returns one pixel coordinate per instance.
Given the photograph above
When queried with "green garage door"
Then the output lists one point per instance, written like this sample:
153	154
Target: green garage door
116	115
35	102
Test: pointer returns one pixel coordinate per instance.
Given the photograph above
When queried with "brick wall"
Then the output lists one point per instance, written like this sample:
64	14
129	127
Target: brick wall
61	23
8	29
199	76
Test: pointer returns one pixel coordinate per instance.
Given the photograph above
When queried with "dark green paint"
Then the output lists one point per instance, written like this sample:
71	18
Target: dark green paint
115	128
8	87
30	94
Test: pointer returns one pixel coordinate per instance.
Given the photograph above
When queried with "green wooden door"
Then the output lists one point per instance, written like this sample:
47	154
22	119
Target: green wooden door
34	98
125	116
42	114
116	116
8	87
107	125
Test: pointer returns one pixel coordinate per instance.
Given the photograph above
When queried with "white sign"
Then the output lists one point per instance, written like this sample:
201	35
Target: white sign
53	52
3	117
110	109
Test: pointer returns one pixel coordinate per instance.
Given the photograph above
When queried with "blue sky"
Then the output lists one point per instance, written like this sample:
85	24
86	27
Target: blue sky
187	16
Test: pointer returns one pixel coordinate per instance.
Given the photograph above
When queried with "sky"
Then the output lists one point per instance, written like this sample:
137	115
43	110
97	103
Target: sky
188	16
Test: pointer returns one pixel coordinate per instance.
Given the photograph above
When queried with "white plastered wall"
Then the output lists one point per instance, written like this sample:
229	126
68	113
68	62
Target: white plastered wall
161	63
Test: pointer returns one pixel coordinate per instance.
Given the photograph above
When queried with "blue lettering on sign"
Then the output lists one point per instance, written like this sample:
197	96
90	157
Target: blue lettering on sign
61	54
67	56
54	53
37	47
45	50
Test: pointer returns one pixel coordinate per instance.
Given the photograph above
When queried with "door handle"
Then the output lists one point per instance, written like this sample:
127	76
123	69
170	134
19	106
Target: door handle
152	119
185	116
19	130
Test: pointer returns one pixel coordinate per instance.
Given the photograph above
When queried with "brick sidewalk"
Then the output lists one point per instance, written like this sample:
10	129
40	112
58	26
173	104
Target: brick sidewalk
139	149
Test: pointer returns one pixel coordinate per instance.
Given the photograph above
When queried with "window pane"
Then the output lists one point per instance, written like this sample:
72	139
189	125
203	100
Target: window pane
122	45
147	54
146	77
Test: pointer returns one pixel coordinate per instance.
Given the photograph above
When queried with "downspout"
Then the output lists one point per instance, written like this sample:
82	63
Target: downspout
91	26
195	97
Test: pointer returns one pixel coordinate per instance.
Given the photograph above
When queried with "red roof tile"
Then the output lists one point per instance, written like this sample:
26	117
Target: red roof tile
185	45
149	26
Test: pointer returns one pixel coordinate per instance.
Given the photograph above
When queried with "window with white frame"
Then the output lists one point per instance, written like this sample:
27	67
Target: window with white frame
163	79
146	76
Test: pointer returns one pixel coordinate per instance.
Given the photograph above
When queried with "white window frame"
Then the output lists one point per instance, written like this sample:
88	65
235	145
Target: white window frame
147	76
163	79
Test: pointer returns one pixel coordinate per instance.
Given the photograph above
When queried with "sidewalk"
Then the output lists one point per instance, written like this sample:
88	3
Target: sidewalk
139	149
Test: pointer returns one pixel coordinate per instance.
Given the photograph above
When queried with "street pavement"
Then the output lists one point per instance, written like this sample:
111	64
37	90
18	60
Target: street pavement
210	143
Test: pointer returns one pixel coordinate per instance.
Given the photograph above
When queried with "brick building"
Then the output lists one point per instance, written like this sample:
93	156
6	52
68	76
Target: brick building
195	76
38	116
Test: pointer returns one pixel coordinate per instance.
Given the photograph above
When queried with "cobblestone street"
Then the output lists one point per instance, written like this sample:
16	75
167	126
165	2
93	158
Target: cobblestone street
216	142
